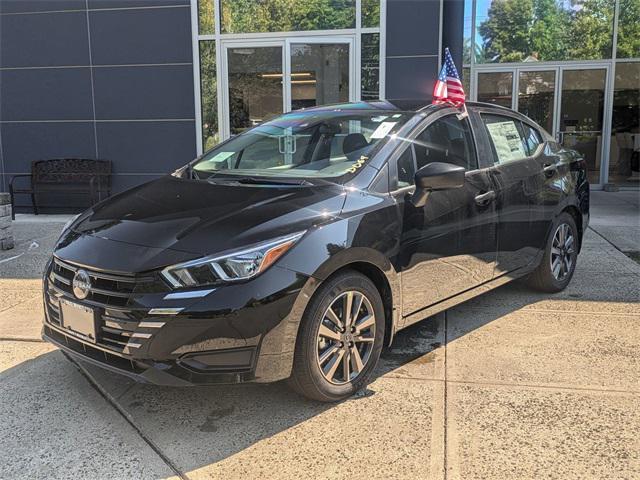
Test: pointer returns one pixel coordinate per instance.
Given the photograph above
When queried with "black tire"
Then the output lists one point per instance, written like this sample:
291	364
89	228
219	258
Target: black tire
308	377
544	278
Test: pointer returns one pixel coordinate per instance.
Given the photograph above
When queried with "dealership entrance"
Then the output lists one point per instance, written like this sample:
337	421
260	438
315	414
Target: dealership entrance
568	100
264	78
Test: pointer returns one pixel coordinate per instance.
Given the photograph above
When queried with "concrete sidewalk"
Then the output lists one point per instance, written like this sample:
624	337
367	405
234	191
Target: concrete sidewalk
513	384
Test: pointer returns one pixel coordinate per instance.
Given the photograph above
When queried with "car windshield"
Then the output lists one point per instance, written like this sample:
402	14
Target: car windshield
329	145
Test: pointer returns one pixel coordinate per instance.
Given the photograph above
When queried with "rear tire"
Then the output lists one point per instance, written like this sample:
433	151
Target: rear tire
560	256
336	352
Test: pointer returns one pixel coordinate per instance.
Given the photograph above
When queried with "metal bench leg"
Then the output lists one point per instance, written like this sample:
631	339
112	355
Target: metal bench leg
33	201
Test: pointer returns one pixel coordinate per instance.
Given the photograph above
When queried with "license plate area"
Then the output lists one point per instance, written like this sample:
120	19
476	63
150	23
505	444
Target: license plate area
79	320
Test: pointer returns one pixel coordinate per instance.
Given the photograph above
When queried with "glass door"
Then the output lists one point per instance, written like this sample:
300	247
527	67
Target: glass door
254	90
537	95
320	72
580	114
262	79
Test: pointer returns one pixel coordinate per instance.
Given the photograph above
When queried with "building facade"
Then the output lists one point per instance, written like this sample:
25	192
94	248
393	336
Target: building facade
150	84
573	66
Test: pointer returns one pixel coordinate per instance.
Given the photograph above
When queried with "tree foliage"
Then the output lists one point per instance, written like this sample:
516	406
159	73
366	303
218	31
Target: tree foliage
519	30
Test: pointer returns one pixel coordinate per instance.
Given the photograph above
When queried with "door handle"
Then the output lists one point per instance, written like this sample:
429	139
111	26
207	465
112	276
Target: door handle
486	198
549	169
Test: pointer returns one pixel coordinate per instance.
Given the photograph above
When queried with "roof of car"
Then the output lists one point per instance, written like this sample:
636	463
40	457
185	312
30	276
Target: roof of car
404	105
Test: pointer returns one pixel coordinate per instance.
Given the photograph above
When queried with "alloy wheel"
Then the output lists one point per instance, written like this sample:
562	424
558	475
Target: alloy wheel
562	252
346	337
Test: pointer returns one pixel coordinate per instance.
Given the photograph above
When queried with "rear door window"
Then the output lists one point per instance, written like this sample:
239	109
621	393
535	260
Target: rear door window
506	138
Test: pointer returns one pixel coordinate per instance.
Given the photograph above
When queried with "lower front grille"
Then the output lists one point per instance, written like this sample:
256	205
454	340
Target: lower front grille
94	353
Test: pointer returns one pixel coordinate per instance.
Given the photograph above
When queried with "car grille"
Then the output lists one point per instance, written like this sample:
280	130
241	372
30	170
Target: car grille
120	326
107	289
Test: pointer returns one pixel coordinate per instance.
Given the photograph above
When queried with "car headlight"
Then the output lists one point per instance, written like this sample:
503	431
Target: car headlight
237	265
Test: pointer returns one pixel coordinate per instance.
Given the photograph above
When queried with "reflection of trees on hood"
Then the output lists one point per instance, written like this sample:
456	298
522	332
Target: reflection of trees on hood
519	30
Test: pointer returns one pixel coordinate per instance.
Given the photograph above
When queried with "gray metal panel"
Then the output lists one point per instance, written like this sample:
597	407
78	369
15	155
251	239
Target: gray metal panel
23	6
134	3
24	142
161	92
140	147
46	94
411	78
44	40
413	27
152	35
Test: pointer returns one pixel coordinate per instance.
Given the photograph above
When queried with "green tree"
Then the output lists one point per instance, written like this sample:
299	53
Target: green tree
629	29
591	29
506	30
550	29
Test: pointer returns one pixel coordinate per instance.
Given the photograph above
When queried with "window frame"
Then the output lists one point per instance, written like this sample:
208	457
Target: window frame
518	121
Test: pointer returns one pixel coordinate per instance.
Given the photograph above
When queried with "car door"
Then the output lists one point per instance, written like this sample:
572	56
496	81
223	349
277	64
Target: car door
519	181
448	245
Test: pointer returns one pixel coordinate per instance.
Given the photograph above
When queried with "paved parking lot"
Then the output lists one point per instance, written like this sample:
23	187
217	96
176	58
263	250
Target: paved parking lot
514	384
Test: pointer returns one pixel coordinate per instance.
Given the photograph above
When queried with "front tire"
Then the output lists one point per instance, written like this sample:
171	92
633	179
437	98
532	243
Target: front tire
559	261
340	338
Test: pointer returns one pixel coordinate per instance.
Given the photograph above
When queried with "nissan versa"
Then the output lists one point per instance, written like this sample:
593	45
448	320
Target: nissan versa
299	248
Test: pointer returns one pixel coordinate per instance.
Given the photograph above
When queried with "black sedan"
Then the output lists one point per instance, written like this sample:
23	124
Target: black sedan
298	249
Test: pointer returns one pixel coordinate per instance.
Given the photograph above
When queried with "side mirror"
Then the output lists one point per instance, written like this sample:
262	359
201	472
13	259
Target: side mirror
436	176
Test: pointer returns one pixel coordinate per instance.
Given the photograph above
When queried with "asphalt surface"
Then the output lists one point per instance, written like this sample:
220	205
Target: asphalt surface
513	384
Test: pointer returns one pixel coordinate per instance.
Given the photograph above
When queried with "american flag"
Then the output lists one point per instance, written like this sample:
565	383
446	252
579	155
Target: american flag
448	88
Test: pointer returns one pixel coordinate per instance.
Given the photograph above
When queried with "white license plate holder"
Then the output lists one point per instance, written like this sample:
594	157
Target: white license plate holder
79	320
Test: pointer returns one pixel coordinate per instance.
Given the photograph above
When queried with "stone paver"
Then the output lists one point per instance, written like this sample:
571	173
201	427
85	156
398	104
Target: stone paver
53	424
513	384
506	432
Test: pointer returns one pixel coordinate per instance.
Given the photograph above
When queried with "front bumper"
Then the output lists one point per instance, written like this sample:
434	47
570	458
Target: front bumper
236	333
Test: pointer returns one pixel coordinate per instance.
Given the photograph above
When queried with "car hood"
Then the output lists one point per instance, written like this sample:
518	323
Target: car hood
202	218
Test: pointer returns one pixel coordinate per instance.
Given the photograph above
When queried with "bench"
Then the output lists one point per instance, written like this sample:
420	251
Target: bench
75	176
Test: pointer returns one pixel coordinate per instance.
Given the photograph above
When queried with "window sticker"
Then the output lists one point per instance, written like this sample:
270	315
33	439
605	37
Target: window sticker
379	118
383	129
506	140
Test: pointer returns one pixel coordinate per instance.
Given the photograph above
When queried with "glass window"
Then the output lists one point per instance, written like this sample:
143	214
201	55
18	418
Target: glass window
581	117
536	93
629	29
624	160
446	140
506	140
304	144
406	168
544	30
370	13
370	63
208	94
245	16
206	17
319	74
496	88
532	139
467	45
255	86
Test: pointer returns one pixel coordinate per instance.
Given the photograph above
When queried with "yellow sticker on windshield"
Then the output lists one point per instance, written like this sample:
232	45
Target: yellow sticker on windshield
359	163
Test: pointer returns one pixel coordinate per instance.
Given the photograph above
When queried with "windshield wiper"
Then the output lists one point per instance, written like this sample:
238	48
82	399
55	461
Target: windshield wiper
261	181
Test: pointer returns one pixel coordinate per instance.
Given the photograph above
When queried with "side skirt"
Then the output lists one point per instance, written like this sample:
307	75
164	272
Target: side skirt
462	297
